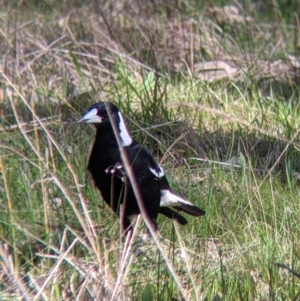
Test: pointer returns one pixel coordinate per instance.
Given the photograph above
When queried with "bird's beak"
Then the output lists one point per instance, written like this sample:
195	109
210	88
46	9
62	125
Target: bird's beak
91	117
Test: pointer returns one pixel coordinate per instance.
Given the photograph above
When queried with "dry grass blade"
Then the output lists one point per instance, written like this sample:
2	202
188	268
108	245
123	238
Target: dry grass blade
125	262
16	282
143	211
185	256
54	176
54	269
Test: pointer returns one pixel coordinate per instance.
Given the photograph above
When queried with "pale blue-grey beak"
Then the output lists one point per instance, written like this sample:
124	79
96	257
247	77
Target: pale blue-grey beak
91	117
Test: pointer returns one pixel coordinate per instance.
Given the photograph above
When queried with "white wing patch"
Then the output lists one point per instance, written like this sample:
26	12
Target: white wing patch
159	174
124	135
169	199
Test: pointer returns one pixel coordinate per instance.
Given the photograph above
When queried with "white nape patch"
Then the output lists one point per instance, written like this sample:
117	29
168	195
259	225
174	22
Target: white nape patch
169	199
91	117
159	174
124	135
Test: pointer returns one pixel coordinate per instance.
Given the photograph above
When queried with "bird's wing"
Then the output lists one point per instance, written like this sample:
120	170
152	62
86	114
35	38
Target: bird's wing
146	159
168	197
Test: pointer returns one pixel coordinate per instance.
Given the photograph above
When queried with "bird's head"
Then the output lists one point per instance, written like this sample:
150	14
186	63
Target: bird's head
98	115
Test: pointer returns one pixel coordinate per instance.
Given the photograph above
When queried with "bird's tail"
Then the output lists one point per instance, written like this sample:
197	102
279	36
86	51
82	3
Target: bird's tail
173	215
169	199
190	209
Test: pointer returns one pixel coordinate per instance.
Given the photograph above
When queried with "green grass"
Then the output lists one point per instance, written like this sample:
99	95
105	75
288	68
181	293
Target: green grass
231	146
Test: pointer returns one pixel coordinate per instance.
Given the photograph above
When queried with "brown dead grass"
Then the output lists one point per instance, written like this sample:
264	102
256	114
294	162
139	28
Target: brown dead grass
53	57
150	35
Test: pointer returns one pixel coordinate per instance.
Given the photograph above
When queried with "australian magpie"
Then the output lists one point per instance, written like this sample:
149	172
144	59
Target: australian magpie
109	176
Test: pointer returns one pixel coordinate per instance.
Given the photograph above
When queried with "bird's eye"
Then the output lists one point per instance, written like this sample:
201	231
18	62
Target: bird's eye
104	114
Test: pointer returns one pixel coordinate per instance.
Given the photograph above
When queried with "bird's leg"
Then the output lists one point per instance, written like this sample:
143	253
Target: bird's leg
112	191
125	228
125	222
116	171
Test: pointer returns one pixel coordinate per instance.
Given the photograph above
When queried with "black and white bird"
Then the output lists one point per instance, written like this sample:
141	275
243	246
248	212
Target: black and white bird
106	169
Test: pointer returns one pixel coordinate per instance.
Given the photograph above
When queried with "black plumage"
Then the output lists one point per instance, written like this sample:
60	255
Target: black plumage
106	169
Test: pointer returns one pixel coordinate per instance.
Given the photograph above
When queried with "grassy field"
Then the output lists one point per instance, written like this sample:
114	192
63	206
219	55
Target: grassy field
210	90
